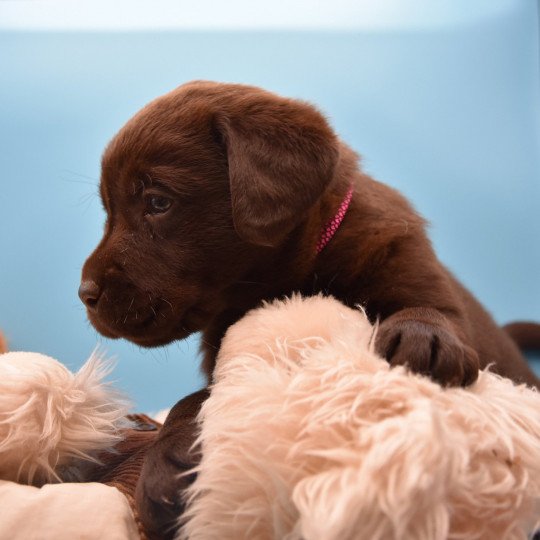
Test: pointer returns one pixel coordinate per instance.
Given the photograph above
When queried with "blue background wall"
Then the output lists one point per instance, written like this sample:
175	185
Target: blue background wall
448	115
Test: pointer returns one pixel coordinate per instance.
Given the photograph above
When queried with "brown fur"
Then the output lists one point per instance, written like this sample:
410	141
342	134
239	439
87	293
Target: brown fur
252	178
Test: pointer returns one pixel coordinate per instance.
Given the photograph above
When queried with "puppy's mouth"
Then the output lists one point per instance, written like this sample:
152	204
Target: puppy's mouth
150	326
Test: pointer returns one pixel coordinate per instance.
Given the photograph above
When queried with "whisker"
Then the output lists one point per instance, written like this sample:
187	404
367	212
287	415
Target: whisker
209	344
87	197
127	312
94	181
167	302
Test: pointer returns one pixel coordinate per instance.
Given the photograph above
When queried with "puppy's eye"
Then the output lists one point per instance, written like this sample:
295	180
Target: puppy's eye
157	204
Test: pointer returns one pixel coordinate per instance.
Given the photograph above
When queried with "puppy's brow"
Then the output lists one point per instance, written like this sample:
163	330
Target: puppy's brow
158	181
138	185
151	180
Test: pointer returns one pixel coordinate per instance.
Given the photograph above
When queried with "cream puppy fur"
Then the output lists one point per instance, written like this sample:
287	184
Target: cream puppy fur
308	434
52	421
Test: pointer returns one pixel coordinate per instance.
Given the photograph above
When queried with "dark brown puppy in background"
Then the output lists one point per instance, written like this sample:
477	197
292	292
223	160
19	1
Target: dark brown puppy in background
216	196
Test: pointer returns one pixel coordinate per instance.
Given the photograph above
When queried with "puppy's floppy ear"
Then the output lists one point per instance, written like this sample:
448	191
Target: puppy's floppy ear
281	156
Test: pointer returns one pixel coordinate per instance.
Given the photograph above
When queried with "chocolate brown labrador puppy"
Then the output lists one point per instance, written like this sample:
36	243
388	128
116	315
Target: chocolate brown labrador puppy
219	196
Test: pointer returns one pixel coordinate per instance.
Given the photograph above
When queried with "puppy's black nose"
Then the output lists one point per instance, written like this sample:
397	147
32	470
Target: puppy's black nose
89	293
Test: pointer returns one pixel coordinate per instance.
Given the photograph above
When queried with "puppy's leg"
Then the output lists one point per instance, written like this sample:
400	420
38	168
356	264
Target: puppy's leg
430	322
427	342
159	489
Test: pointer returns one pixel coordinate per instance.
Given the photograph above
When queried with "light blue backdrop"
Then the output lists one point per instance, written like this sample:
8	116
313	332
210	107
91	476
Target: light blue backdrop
450	117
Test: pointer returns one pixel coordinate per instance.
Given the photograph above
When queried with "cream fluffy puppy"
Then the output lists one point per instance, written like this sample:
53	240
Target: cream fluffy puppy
52	421
308	434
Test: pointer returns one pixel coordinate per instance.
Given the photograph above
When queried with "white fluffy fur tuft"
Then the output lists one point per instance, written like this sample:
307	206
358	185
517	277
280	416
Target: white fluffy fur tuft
51	419
309	435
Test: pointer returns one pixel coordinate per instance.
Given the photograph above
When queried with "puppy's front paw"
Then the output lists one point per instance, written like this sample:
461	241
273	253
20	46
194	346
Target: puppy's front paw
428	349
160	486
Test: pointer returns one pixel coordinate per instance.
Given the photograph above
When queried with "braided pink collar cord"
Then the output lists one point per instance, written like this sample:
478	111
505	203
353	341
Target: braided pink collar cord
333	225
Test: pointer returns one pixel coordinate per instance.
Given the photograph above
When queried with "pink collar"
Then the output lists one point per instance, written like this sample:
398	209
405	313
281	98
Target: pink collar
333	224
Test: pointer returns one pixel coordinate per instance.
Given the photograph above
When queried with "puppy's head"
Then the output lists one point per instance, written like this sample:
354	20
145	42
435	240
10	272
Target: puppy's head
197	187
